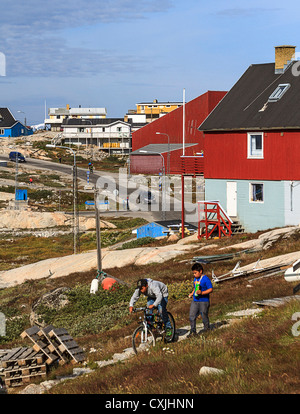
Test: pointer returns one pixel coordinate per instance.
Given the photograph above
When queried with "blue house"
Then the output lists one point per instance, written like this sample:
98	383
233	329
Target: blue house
151	230
161	228
10	127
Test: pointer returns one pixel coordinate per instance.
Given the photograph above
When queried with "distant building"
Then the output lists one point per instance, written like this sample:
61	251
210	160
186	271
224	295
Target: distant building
58	115
111	135
150	111
165	136
10	127
163	228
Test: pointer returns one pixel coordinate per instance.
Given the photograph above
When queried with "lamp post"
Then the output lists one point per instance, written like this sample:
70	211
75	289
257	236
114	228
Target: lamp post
21	112
75	218
169	155
91	139
163	201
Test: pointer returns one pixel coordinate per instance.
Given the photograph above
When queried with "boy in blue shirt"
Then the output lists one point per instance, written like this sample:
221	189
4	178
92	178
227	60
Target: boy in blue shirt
200	305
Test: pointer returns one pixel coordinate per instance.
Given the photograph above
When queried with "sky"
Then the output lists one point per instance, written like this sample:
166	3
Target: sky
114	54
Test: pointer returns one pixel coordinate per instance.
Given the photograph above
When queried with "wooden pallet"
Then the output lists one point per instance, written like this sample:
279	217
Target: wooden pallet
53	346
40	343
19	366
56	343
66	344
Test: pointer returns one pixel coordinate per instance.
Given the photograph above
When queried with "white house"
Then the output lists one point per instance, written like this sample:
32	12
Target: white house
58	115
112	135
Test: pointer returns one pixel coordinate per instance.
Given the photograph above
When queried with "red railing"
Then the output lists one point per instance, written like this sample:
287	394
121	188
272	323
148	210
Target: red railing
212	218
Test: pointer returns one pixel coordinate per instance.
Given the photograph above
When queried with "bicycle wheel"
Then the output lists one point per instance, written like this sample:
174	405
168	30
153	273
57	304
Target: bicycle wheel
142	339
171	334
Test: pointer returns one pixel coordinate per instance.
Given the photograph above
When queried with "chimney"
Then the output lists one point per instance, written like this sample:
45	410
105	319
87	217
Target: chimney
283	56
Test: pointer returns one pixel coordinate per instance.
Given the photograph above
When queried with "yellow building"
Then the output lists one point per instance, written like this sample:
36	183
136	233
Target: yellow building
154	110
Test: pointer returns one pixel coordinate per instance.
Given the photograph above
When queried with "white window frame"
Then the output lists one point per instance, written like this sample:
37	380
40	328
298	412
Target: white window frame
251	192
252	152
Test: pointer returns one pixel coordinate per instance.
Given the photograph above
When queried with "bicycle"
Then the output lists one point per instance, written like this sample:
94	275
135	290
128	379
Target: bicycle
151	327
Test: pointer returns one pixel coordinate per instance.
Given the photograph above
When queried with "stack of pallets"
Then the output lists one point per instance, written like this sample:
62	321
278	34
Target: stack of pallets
50	346
22	365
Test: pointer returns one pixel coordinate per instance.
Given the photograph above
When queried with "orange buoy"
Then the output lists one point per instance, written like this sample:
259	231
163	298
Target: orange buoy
107	283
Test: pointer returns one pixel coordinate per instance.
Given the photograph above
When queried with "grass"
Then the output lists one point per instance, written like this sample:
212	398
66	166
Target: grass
13	254
255	355
259	355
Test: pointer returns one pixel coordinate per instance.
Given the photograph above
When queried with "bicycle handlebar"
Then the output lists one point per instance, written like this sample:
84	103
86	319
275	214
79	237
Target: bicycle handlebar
138	309
141	309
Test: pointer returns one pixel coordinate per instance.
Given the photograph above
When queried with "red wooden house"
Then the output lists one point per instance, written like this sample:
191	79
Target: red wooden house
165	136
252	146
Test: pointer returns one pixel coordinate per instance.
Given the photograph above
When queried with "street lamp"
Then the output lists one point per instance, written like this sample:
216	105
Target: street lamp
163	201
168	163
21	112
75	221
91	139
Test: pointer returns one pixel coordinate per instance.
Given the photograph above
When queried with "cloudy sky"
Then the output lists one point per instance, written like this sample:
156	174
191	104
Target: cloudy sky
116	53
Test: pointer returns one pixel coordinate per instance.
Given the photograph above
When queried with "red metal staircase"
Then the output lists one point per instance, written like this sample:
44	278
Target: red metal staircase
213	220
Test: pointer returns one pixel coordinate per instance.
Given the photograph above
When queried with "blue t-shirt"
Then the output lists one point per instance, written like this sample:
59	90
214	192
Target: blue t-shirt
205	284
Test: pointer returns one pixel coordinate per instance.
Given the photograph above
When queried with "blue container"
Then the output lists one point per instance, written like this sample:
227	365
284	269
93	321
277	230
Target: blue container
21	195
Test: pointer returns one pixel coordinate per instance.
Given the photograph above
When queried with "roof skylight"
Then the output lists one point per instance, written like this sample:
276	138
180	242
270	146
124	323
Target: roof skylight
279	92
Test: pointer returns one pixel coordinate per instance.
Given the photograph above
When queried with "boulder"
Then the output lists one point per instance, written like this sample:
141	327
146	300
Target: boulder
173	237
210	371
56	299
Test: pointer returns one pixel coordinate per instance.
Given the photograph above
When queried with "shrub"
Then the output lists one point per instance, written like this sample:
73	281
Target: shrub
137	243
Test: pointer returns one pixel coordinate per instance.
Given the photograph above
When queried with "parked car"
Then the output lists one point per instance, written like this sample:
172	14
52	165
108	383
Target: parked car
146	197
14	155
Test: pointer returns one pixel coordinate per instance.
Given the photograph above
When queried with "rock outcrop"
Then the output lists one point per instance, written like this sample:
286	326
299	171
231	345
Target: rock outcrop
18	219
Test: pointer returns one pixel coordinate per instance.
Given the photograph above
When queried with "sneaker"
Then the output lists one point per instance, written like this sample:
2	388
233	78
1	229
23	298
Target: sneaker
169	332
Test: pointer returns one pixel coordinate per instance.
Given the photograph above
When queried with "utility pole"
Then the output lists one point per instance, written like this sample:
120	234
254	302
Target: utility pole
75	194
16	182
98	232
75	213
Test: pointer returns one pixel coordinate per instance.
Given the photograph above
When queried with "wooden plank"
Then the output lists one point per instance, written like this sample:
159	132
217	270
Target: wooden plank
60	331
70	344
29	332
13	355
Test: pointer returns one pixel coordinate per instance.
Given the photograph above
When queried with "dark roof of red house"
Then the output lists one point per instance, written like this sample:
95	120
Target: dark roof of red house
6	118
247	107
